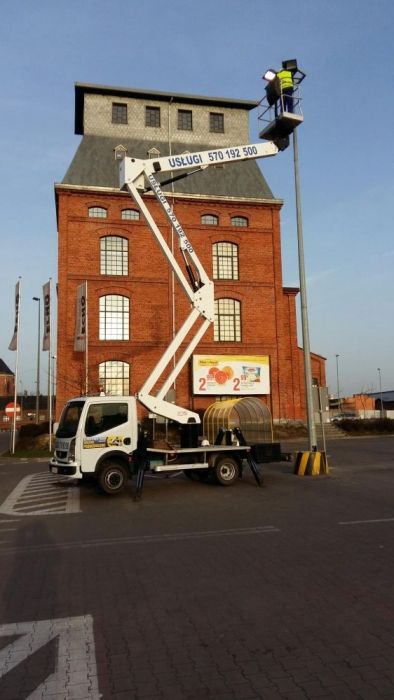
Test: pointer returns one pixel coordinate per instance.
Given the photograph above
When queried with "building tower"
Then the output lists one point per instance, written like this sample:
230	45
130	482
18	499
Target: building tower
133	303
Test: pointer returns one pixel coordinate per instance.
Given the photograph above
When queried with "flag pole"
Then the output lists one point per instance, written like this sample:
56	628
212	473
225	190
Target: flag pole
50	368
16	366
86	341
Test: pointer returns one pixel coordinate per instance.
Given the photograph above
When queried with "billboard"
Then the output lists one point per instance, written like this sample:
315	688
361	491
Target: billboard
234	375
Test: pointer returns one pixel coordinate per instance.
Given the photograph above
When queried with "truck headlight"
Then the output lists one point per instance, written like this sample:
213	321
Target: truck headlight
71	451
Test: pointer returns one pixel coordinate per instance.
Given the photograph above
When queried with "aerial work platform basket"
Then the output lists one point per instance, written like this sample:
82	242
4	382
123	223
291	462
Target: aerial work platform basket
280	113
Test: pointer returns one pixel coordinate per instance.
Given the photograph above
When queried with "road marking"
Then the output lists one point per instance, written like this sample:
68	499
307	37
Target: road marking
144	539
41	494
4	522
366	522
75	675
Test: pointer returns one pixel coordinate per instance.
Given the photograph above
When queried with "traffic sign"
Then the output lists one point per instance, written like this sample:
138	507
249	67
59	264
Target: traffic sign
9	409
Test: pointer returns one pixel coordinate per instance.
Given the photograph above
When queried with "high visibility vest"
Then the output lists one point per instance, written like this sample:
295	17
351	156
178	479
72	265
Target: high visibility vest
285	79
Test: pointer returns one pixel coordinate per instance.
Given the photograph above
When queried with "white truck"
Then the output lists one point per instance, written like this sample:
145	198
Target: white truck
100	435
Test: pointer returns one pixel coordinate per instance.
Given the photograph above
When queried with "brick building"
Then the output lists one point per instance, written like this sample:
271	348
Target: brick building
134	305
7	380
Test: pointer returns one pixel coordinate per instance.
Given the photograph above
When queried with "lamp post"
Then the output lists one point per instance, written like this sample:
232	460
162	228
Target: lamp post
339	400
380	391
54	358
304	310
38	360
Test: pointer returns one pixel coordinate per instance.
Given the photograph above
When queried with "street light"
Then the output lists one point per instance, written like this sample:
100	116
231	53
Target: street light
269	74
38	360
380	390
339	401
304	308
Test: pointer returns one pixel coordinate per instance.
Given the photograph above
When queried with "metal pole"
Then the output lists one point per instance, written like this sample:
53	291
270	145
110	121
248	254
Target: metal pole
381	397
53	386
304	308
38	360
339	400
323	432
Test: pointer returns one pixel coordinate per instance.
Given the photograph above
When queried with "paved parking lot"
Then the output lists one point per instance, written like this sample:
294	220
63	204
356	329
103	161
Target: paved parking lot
205	592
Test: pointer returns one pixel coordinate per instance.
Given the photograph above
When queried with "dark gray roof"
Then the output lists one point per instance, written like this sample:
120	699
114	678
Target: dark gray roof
90	88
94	165
4	369
386	395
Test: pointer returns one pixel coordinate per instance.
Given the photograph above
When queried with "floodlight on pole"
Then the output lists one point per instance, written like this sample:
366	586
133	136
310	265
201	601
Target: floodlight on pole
290	64
269	75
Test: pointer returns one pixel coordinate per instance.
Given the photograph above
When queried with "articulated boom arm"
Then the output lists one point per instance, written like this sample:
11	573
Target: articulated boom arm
138	176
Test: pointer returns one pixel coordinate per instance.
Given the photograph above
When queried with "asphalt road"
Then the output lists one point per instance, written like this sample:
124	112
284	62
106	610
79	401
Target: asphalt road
198	591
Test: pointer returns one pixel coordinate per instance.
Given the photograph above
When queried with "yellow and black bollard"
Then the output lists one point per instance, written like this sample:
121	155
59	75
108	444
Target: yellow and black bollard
311	463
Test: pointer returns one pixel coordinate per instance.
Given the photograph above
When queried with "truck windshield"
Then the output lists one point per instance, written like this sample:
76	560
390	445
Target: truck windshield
69	419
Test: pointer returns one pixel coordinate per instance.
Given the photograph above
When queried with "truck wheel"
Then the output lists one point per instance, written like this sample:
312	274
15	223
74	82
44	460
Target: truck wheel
226	471
112	477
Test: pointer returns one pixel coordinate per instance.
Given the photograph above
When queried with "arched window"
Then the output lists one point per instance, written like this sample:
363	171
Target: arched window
114	377
97	213
210	219
131	214
113	255
227	324
114	317
225	261
239	221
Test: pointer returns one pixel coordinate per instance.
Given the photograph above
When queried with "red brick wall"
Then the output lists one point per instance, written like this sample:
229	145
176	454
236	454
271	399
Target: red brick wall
6	384
268	311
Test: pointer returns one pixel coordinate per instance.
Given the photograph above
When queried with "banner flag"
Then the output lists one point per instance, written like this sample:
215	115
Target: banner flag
14	342
80	338
46	293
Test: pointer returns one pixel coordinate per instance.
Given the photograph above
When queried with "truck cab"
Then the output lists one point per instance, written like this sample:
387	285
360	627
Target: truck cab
97	436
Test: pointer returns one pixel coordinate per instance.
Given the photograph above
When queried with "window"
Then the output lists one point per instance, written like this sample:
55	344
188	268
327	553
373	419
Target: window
120	152
225	261
131	214
119	113
216	122
185	119
227	324
114	317
210	219
114	377
69	419
97	212
114	255
239	221
153	152
152	116
105	416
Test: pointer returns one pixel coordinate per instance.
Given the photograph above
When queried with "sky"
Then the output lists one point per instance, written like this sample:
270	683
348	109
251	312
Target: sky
220	48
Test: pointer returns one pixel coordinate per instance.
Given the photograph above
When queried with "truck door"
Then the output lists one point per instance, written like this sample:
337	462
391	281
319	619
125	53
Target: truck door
108	427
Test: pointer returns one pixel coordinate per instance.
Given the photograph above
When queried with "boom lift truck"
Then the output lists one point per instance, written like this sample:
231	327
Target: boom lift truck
100	435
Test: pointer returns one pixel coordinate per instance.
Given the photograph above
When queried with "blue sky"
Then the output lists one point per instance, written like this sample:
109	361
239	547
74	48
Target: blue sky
222	48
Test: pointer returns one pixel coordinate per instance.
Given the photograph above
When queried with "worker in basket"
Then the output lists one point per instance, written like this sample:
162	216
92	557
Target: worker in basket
286	86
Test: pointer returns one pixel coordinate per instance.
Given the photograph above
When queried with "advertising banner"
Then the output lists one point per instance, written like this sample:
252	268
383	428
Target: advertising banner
231	375
46	339
14	340
80	338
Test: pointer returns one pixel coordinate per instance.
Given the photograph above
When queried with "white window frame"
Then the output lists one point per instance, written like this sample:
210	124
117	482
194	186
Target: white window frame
225	260
114	255
114	317
227	323
114	377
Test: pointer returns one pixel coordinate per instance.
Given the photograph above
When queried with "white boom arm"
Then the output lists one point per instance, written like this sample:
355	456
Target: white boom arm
137	176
